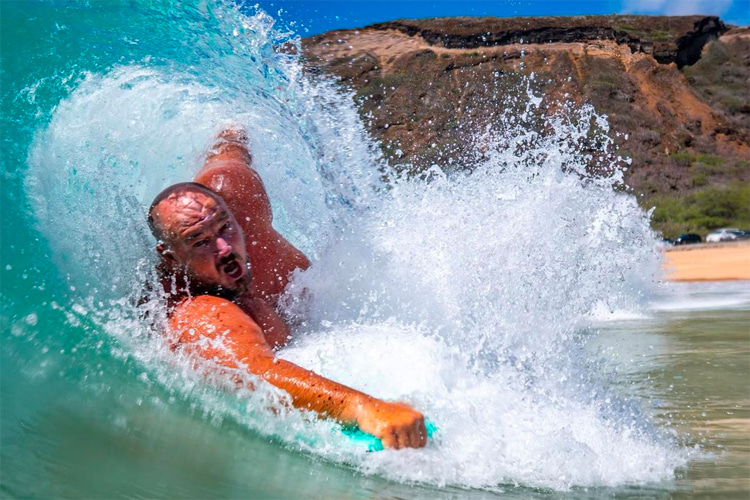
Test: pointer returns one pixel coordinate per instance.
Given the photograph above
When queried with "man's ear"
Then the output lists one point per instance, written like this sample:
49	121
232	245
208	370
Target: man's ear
165	253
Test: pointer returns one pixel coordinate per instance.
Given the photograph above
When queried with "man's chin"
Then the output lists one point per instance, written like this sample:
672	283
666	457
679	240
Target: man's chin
227	290
225	286
236	286
239	286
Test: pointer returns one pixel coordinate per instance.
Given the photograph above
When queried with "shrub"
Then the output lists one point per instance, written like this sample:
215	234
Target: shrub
702	211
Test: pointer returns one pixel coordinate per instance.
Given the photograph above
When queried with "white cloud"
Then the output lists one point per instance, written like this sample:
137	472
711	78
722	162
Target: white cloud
676	7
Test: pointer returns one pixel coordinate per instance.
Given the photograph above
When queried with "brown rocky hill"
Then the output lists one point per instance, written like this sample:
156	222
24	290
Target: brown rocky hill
676	91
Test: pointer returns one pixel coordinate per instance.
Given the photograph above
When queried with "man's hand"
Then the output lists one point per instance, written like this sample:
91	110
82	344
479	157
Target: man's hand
396	424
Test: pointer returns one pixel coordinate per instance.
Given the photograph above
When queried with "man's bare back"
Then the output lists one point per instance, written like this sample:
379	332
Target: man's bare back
223	267
228	171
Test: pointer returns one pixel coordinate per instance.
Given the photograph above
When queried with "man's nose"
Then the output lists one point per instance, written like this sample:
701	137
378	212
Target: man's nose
222	247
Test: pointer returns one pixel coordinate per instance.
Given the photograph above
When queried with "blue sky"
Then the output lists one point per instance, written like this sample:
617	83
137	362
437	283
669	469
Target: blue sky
309	17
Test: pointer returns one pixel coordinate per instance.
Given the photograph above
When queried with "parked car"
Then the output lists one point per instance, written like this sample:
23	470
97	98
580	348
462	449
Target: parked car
664	244
687	239
725	234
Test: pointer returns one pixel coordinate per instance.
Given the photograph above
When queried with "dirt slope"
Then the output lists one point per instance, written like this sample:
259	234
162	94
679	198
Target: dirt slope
676	90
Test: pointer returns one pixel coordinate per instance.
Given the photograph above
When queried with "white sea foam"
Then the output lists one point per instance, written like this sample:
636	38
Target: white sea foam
466	295
702	296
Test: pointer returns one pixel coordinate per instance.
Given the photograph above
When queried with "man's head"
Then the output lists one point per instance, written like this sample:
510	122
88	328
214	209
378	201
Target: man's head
199	239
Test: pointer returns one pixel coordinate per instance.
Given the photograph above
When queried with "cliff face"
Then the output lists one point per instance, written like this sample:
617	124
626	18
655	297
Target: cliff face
656	37
676	90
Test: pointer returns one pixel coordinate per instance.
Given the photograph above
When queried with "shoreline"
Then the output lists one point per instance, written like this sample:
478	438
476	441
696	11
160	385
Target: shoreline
724	261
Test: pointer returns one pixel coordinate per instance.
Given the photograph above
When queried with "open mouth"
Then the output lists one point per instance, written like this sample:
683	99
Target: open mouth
233	269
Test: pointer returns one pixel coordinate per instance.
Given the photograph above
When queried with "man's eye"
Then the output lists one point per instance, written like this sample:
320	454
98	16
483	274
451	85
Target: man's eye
200	243
226	227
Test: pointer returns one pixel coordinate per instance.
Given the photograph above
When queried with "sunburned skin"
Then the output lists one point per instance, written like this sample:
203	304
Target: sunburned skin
190	211
228	171
204	250
243	344
202	234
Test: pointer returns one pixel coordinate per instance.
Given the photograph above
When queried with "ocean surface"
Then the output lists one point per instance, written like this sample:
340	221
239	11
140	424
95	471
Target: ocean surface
519	306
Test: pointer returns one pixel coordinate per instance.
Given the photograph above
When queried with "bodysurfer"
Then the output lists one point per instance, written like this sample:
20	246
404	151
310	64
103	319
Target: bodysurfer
223	266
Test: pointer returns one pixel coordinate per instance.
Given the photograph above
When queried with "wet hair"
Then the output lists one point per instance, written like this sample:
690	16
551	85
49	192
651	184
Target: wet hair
155	227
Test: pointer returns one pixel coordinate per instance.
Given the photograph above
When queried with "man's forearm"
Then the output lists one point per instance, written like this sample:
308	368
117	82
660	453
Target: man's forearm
310	391
397	424
218	331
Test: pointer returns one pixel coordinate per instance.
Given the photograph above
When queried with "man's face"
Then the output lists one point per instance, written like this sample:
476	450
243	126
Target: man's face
203	240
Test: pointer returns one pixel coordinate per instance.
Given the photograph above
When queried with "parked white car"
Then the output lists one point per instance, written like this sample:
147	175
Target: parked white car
724	234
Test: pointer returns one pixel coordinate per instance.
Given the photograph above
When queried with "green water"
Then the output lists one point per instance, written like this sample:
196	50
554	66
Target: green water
698	365
69	433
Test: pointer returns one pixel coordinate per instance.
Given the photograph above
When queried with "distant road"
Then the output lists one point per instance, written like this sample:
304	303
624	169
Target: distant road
708	261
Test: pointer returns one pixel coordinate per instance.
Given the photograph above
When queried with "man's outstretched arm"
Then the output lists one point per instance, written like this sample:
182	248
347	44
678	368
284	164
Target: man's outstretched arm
217	330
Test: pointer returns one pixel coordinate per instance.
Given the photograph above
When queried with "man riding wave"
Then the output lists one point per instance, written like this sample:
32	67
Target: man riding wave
223	267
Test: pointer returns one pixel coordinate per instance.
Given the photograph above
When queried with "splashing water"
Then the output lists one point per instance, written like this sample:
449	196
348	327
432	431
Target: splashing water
468	295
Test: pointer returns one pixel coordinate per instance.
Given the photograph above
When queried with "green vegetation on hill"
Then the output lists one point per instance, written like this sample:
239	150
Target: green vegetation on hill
717	192
703	210
720	78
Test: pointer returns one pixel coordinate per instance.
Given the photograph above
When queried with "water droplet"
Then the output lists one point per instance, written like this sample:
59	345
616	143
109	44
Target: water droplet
31	319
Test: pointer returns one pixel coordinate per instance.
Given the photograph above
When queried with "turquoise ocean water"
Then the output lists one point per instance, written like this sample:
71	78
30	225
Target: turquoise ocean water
437	292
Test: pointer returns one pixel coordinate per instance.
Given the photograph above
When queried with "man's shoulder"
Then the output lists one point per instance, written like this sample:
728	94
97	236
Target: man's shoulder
202	310
207	315
204	305
229	176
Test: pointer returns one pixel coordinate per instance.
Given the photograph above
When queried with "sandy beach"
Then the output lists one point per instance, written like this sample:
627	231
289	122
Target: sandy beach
708	262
